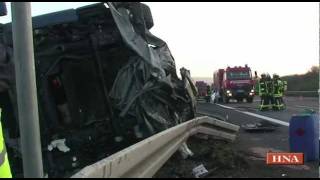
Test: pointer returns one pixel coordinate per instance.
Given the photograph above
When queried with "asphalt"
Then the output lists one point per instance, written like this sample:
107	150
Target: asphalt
258	144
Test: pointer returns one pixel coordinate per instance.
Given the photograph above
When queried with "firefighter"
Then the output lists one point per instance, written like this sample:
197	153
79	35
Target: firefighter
283	88
264	93
5	77
278	87
269	92
208	93
256	83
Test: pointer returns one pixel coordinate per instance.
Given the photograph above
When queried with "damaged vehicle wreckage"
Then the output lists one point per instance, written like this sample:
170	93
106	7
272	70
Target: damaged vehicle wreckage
104	83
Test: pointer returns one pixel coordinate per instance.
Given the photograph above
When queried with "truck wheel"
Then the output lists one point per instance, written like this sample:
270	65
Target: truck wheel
249	100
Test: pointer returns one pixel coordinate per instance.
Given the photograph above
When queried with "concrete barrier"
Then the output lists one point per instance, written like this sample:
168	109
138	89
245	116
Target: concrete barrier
302	93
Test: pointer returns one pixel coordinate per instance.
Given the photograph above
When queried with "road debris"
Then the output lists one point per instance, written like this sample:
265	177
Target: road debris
199	171
263	126
217	156
185	151
60	145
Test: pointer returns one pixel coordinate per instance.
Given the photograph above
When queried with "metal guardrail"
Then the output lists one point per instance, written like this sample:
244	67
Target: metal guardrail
145	158
219	117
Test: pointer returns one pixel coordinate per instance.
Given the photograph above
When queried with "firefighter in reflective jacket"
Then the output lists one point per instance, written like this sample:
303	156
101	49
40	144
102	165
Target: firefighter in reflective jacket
263	88
5	171
278	87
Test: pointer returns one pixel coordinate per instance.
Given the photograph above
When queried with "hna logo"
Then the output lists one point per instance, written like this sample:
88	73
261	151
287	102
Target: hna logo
285	158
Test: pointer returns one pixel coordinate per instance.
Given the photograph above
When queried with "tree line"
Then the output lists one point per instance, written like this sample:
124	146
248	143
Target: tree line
304	82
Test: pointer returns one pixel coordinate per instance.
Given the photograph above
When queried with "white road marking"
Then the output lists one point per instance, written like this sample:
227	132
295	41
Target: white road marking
227	107
266	118
277	121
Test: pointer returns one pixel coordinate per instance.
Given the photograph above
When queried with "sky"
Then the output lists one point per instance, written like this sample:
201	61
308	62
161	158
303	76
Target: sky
280	38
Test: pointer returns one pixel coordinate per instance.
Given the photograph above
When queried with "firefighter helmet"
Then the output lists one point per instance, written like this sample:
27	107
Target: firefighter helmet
268	77
275	76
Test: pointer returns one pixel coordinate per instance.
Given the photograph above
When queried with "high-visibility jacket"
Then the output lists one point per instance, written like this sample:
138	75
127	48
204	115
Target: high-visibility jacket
5	171
263	89
285	85
278	88
269	87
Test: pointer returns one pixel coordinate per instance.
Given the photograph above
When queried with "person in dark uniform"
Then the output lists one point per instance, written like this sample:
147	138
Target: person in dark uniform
263	88
277	92
6	79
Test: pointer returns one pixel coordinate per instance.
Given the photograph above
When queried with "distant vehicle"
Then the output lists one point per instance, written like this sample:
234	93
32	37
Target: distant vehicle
202	88
234	83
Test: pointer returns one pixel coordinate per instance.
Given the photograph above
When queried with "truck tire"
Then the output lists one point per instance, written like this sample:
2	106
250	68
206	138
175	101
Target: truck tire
249	100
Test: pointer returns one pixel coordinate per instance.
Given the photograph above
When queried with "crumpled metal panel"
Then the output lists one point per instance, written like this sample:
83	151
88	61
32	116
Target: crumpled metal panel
147	89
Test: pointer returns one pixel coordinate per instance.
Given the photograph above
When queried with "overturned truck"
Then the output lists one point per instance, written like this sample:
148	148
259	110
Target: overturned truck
104	82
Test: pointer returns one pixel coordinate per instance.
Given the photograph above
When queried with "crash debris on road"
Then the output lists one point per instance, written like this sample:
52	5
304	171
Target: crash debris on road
263	126
215	156
199	171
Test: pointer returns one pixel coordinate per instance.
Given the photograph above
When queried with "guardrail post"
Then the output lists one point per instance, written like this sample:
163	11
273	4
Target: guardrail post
26	89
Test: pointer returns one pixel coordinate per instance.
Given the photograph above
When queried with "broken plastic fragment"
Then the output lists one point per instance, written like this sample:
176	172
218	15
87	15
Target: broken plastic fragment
199	171
185	151
60	144
137	132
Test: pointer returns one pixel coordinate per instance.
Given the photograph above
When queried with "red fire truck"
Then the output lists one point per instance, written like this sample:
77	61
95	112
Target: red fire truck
202	88
234	83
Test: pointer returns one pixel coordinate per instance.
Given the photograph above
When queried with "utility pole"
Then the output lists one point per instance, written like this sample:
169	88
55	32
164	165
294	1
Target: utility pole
26	89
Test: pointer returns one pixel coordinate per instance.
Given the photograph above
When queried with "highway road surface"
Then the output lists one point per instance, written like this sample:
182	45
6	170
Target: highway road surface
258	144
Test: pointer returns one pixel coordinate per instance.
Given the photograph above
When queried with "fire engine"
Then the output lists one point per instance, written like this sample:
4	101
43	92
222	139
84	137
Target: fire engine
234	83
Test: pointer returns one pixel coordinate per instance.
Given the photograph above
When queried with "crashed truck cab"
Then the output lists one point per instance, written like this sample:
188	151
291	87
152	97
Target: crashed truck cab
104	82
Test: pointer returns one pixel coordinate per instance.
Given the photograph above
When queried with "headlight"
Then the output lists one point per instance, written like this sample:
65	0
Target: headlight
252	90
229	94
251	94
228	91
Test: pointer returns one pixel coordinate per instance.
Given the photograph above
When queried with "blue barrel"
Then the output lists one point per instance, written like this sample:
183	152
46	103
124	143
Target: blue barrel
304	135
